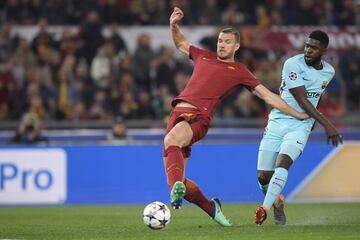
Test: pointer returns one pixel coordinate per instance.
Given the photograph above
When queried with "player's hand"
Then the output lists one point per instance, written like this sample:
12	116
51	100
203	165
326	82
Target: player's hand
176	16
333	135
303	116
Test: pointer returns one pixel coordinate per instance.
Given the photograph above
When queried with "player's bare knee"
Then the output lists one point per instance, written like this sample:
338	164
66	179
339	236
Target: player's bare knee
264	176
171	140
284	161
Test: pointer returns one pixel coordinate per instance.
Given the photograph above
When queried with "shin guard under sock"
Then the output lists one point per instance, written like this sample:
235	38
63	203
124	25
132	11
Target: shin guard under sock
174	165
276	185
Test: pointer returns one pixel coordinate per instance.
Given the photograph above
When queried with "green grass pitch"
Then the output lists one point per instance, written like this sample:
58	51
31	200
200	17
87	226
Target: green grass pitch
305	221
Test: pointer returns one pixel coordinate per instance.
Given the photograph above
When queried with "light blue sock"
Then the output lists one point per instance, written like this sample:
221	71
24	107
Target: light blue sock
263	188
276	185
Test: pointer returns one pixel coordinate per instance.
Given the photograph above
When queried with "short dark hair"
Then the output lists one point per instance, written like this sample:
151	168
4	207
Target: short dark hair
321	36
233	31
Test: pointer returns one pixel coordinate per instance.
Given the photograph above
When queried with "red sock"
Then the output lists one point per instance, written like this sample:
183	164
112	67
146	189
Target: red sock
194	195
174	165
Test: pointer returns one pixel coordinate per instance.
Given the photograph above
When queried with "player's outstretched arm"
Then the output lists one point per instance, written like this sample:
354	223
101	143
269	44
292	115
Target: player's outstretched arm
299	94
179	38
277	102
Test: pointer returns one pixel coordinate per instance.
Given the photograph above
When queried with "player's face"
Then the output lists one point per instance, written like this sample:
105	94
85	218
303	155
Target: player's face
313	51
226	46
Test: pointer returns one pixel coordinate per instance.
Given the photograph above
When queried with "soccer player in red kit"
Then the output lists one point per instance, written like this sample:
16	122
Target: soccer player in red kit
214	75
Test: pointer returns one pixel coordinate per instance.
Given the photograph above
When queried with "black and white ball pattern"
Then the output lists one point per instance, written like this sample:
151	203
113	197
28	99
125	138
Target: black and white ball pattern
156	215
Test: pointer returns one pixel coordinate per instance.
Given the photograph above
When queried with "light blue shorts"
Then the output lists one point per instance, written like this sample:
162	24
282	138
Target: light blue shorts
285	136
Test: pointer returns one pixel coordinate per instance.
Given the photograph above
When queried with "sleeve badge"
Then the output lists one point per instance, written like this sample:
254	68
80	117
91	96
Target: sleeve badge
293	76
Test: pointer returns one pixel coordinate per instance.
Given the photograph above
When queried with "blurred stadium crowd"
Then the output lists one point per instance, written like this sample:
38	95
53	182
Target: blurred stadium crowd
205	12
86	76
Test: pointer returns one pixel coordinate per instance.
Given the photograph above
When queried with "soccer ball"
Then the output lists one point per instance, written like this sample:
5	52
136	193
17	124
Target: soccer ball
156	215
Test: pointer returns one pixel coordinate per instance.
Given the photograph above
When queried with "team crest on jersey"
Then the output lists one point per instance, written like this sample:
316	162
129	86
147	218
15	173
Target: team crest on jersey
293	76
324	84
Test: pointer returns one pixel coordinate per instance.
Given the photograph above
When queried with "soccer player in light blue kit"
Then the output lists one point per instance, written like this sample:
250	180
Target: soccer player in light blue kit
304	78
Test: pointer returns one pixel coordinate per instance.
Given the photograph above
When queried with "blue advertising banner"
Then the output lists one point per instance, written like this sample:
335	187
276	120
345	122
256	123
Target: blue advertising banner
135	174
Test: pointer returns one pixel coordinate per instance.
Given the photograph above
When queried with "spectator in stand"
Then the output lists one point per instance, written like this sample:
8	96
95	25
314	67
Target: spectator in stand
83	84
8	43
32	12
117	40
161	16
349	62
304	14
187	6
135	14
51	10
327	13
332	110
346	15
37	107
80	113
209	41
145	110
180	80
143	55
29	131
276	18
228	116
232	15
67	43
24	58
9	88
99	109
43	40
118	133
162	102
129	107
90	35
103	66
4	112
247	106
269	71
277	12
163	68
109	11
210	13
13	11
262	18
65	93
125	84
357	12
125	65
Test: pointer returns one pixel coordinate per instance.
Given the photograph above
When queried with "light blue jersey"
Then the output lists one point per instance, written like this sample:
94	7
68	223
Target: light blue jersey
285	134
297	73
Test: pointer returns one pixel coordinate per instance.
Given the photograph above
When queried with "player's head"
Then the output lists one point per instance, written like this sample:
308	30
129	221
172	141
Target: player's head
315	46
228	43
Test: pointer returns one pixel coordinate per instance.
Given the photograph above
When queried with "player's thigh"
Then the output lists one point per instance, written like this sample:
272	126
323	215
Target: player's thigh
266	160
272	138
270	146
294	142
180	135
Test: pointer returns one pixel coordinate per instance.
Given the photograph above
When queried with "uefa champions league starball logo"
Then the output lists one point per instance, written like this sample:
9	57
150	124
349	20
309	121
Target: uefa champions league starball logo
293	76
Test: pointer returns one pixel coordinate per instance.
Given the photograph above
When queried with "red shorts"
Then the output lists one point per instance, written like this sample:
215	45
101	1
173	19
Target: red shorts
198	121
